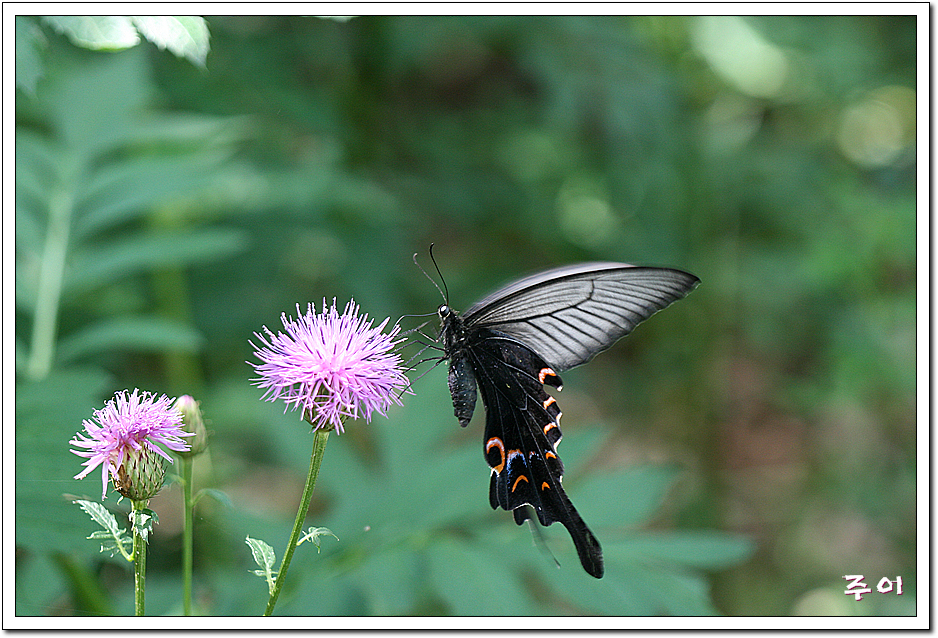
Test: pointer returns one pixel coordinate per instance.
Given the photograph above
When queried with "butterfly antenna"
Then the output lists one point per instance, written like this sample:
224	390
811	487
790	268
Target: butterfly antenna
446	296
426	314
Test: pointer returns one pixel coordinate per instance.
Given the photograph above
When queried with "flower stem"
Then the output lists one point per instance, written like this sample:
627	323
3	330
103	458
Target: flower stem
140	560
187	536
315	460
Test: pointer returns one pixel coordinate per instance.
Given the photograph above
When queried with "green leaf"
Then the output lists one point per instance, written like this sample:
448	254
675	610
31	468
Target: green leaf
94	106
474	579
100	515
264	557
142	334
95	267
113	539
312	535
392	579
123	191
38	166
682	593
30	46
645	486
99	33
48	414
703	549
184	36
114	545
143	522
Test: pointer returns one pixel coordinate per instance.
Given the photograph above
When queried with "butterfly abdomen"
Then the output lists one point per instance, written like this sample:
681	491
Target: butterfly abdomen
462	387
461	380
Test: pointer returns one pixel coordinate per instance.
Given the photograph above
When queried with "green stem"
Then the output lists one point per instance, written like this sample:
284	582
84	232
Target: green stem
140	561
315	460
187	536
49	285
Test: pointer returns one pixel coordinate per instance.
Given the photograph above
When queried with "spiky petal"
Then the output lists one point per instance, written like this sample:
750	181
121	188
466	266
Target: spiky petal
331	365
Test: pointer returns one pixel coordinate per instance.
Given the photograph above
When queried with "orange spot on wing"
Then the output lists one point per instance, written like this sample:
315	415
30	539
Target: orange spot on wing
546	372
496	442
549	455
545	486
549	402
518	480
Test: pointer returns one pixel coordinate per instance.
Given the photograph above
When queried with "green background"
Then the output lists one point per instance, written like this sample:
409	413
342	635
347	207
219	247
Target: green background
738	454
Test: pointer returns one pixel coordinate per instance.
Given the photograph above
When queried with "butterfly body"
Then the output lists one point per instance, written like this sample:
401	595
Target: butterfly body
513	343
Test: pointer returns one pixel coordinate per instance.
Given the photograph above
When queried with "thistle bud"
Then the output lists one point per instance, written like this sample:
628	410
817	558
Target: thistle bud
141	474
192	422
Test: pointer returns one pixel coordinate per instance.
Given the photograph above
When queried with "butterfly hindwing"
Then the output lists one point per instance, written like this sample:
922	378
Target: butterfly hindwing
514	342
522	430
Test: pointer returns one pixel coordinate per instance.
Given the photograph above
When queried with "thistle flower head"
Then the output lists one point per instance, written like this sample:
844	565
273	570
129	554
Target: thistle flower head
331	365
128	423
141	474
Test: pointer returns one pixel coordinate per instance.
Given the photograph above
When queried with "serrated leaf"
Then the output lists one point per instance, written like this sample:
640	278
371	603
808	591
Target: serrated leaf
98	33
112	538
263	553
312	535
265	557
142	334
113	546
100	515
184	36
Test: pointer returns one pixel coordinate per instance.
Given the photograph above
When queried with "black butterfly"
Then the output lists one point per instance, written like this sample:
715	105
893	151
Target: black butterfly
514	342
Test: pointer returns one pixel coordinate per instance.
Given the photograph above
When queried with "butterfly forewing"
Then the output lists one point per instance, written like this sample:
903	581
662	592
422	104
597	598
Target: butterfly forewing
569	315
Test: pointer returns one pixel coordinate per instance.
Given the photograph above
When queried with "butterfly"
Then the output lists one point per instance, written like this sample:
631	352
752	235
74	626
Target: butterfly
512	343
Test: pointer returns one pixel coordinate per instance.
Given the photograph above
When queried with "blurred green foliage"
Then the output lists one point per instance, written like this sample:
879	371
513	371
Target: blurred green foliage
738	454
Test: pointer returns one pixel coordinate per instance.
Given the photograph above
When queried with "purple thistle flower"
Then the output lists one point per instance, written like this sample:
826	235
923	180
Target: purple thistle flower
126	423
331	365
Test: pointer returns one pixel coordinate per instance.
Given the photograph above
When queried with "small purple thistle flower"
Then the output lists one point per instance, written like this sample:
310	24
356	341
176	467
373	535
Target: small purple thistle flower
125	423
331	365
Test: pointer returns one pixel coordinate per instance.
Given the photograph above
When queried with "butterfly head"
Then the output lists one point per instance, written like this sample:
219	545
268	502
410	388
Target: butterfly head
452	331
